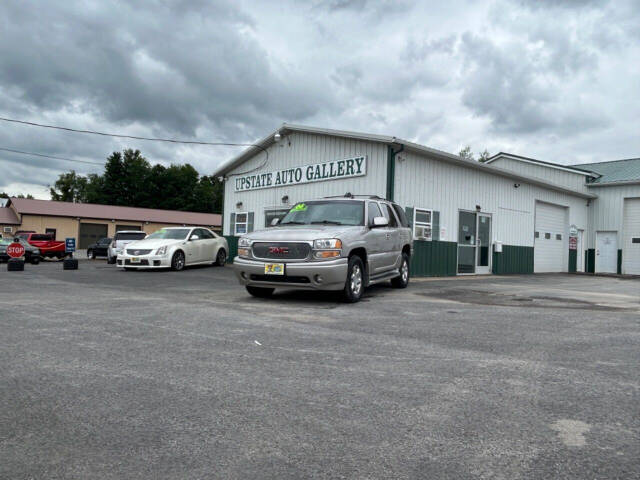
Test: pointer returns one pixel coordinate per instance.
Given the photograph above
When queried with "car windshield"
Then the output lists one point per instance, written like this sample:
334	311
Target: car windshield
170	234
130	235
5	241
335	212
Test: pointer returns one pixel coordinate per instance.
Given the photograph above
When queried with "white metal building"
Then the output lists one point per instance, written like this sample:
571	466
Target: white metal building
504	216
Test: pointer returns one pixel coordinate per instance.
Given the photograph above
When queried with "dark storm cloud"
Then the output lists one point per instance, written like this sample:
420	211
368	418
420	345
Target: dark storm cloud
508	73
171	64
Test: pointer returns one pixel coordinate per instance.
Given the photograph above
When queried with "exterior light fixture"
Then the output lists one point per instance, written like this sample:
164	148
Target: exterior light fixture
277	137
478	208
239	205
516	185
285	199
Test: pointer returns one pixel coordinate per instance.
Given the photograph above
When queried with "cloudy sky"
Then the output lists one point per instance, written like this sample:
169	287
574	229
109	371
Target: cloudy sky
559	81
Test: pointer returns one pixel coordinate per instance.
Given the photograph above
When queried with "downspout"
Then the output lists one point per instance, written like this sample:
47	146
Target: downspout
391	169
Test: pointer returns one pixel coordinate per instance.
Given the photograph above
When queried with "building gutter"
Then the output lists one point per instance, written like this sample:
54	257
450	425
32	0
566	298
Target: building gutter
614	184
391	168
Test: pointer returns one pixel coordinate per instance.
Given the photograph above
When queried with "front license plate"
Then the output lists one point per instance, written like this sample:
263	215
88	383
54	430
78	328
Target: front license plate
135	260
274	268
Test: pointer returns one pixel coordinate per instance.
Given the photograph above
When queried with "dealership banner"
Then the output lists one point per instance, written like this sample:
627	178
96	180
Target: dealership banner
317	172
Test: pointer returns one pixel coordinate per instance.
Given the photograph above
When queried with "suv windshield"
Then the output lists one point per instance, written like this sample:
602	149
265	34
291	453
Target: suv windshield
130	236
334	212
171	233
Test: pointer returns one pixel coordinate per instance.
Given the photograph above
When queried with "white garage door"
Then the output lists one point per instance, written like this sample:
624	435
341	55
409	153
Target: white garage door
550	239
631	240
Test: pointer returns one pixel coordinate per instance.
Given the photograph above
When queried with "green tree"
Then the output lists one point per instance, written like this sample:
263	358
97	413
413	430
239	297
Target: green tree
130	180
70	187
466	153
484	156
20	195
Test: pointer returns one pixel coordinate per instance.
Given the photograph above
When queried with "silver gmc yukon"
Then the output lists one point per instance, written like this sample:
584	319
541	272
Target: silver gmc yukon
335	243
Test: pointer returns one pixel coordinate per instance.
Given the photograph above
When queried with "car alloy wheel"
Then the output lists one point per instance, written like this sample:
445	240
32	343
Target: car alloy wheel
222	257
356	280
177	261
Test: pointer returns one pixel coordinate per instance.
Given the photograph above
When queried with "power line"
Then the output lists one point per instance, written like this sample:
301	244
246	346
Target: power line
50	156
118	135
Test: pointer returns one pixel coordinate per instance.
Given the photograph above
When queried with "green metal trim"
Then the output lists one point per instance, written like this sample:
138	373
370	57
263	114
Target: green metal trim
514	259
391	170
619	262
573	261
590	260
434	259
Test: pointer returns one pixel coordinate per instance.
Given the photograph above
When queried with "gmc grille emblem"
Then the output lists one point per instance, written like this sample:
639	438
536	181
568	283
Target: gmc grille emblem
136	252
279	250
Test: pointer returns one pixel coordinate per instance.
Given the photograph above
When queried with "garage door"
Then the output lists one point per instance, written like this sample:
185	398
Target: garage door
91	233
550	238
631	237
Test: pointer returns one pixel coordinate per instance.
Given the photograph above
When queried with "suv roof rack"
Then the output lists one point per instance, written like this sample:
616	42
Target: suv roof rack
350	195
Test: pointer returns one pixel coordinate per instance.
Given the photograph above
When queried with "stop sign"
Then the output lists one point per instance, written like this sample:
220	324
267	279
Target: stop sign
15	250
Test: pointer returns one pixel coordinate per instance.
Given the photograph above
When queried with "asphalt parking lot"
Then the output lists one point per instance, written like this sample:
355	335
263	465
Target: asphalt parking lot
113	374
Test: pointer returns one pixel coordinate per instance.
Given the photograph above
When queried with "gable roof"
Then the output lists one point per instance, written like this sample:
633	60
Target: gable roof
557	166
8	216
269	140
112	212
615	171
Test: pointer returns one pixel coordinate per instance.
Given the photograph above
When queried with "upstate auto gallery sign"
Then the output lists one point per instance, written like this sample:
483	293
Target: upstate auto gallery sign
316	172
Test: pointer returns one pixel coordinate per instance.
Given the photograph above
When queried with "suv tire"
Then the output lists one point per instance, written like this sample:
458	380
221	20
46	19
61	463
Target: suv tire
111	260
402	280
178	261
34	259
260	292
354	286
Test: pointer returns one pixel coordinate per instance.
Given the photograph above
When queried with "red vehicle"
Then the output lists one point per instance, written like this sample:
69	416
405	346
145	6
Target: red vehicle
45	242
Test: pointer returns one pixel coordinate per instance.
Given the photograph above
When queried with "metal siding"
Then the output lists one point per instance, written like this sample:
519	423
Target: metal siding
428	183
305	149
574	181
631	251
606	212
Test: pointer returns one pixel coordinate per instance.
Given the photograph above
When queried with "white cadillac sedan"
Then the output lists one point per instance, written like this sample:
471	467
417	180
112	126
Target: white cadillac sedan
175	248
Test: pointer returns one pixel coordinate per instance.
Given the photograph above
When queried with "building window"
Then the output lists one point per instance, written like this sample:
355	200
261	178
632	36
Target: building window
422	224
241	223
537	235
558	236
635	240
8	230
547	236
51	231
272	213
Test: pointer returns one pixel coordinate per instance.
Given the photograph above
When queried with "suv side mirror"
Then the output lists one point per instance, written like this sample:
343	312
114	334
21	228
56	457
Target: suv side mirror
379	222
275	221
194	237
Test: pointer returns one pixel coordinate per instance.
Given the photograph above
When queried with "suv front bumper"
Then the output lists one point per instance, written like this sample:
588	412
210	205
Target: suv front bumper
321	275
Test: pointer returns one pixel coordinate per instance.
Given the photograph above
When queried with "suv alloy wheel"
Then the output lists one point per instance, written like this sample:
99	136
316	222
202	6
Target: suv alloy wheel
354	286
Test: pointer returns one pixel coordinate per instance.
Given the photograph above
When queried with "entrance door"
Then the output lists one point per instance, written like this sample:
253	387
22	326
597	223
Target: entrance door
606	252
484	243
467	224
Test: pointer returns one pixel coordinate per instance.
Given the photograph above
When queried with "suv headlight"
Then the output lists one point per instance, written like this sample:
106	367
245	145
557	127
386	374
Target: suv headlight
327	243
161	250
244	242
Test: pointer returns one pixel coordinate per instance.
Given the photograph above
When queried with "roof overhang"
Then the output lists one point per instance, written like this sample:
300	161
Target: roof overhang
286	128
519	158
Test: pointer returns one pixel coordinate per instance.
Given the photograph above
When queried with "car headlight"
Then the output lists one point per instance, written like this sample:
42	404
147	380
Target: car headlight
244	242
161	250
327	243
244	252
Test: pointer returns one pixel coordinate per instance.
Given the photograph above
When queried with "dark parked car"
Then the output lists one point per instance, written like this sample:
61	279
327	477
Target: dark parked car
99	249
31	254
